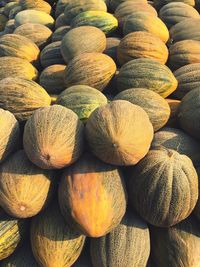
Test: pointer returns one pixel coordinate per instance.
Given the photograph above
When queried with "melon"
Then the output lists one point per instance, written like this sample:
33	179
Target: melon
3	21
81	40
53	137
38	33
74	7
99	19
149	74
26	199
36	5
22	97
188	78
127	245
115	3
51	55
92	69
163	187
159	3
15	11
52	79
188	115
155	106
92	196
129	8
182	243
60	21
183	53
179	141
34	16
188	29
53	242
115	133
82	99
13	232
141	45
175	12
143	21
59	33
9	134
111	47
15	45
8	7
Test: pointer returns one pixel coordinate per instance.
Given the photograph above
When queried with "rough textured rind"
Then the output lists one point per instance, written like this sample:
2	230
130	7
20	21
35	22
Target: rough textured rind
115	3
24	188
22	257
127	245
92	196
163	187
52	79
188	78
51	55
115	133
174	106
9	134
159	3
180	32
36	5
189	111
175	12
155	106
38	33
12	232
149	74
82	99
142	21
92	69
85	39
179	141
53	137
17	67
22	97
15	45
129	8
181	242
141	45
74	7
59	33
102	20
183	53
34	16
53	242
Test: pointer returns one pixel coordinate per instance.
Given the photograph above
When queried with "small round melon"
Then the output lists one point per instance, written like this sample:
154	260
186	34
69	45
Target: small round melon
32	188
155	106
52	79
141	45
115	133
92	69
82	99
9	134
53	137
160	3
163	187
22	97
115	3
85	39
36	5
38	33
34	16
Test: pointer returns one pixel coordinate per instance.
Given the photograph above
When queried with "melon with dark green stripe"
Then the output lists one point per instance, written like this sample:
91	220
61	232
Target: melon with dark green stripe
102	20
12	232
149	74
82	99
